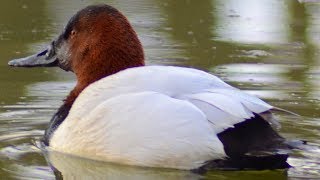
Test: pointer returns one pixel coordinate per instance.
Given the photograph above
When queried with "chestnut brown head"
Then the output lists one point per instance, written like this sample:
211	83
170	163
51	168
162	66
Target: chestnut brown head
98	41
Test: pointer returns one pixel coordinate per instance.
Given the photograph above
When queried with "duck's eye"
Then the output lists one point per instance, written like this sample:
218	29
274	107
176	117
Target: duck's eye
73	33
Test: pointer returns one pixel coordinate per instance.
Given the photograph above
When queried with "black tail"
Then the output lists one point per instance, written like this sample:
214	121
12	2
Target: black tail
276	161
252	144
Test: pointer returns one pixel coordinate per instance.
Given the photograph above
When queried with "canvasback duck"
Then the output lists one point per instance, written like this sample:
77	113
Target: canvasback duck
154	116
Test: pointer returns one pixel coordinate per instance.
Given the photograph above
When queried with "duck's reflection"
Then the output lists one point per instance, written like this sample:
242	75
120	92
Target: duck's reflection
71	167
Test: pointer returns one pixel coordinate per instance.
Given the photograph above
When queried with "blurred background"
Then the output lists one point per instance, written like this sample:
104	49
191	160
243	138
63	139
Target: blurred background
268	48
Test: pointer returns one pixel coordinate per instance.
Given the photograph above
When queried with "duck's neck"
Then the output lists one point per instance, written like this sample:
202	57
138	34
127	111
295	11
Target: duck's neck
74	94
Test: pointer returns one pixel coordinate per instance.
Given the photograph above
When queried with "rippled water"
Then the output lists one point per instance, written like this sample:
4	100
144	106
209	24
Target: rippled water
269	48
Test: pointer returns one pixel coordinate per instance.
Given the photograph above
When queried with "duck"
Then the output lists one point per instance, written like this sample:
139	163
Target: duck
125	112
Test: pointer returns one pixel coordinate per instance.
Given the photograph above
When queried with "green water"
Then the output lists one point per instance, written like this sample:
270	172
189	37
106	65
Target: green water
269	48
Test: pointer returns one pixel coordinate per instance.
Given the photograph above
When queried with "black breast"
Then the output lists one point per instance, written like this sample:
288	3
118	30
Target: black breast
56	120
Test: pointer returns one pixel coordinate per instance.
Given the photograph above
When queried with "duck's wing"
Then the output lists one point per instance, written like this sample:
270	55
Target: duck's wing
227	107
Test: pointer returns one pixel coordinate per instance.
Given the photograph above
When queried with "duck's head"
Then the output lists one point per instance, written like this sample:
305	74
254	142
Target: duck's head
98	41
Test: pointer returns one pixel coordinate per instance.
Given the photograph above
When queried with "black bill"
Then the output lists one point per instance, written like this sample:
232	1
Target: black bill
45	59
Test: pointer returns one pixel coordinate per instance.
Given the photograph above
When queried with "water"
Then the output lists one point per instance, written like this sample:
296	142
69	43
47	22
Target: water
269	48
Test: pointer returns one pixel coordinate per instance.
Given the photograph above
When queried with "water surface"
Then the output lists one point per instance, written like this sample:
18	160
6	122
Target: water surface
268	48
